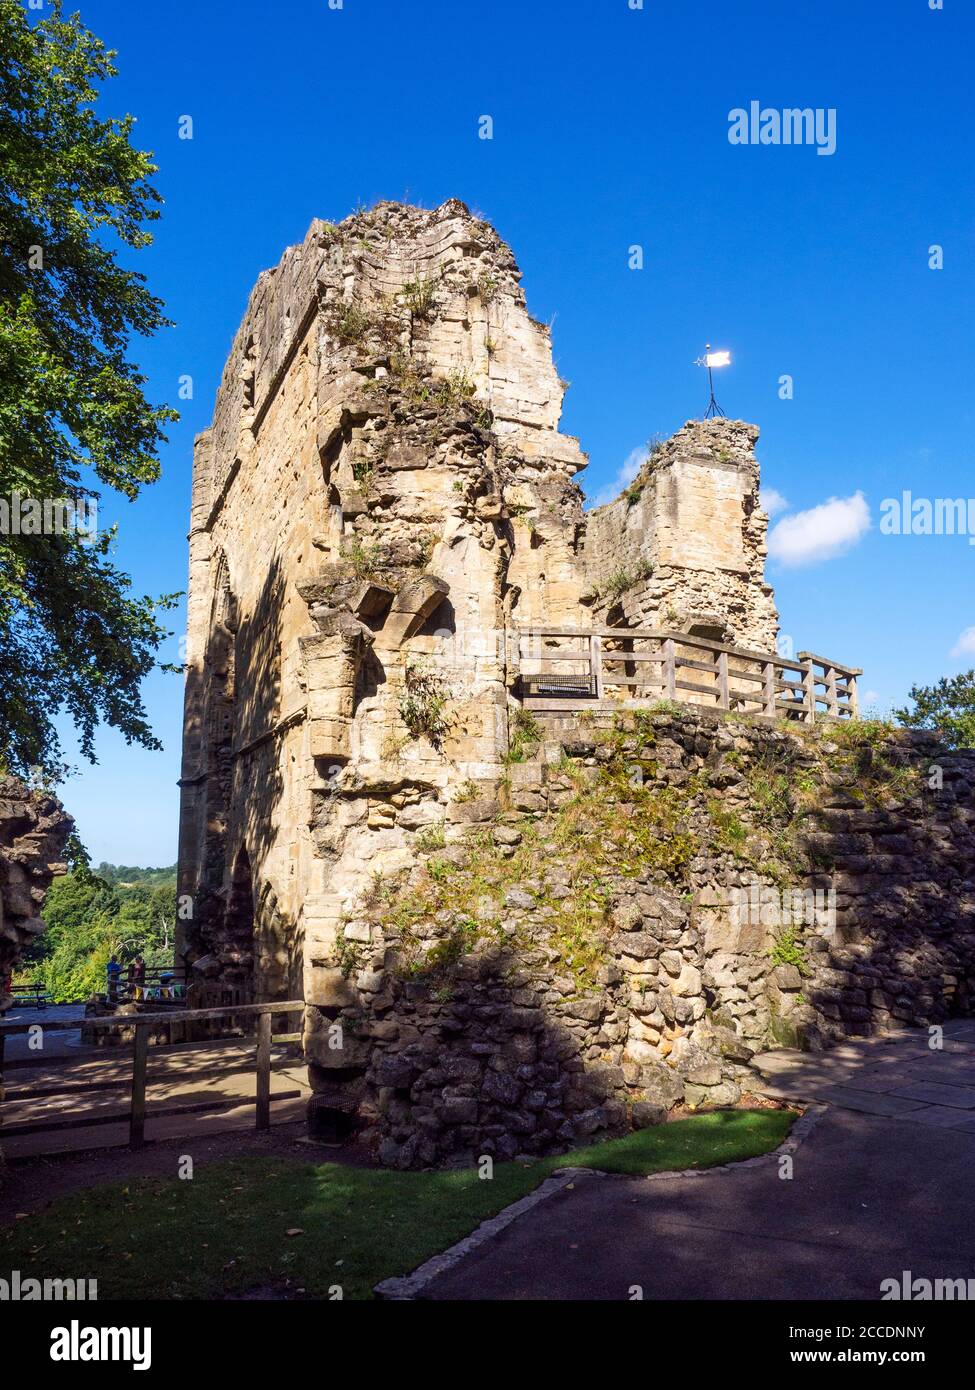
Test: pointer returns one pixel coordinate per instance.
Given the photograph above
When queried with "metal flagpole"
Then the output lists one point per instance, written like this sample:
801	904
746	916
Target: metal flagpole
709	360
713	407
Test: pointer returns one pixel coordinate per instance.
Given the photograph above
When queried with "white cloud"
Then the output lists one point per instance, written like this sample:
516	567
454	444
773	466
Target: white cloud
965	646
632	464
821	533
772	501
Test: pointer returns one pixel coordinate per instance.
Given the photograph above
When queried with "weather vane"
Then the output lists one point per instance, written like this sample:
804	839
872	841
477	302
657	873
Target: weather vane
712	360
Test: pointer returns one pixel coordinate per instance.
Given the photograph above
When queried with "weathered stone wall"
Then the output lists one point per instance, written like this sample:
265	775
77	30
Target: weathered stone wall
617	934
383	490
34	830
683	548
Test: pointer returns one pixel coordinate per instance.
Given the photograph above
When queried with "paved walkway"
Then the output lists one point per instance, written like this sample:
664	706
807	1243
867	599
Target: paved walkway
881	1185
56	1043
900	1076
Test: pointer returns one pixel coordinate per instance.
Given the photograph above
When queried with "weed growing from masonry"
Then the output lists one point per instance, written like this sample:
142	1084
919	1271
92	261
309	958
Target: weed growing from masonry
423	704
868	763
367	561
635	491
526	736
431	837
622	580
349	956
487	287
350	324
420	297
787	949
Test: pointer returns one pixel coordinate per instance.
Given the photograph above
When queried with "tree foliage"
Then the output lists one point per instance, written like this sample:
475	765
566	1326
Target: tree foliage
90	918
74	193
948	707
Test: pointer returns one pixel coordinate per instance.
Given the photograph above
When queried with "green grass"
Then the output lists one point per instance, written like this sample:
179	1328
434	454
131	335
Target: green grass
225	1230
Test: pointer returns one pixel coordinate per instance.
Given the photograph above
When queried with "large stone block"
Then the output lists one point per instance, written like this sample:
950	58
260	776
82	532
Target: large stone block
327	987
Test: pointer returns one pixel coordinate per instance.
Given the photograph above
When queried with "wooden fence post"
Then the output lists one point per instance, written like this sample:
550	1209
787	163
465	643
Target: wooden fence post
670	669
263	1120
724	701
809	691
832	703
596	664
851	684
137	1118
768	671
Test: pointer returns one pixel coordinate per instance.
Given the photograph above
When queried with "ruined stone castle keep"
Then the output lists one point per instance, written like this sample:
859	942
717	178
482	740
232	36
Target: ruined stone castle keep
502	940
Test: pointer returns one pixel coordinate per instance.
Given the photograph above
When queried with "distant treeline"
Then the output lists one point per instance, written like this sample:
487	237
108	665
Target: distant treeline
125	874
116	909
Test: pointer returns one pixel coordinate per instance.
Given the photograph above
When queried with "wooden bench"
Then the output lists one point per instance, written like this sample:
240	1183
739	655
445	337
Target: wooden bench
31	996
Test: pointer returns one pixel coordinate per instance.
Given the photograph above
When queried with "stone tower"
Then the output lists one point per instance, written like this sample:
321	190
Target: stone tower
683	548
384	481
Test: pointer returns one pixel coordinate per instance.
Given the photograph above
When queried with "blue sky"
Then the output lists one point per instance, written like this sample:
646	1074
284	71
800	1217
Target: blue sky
610	130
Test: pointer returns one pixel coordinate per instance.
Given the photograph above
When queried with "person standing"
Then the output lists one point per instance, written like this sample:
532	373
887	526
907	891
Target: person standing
114	971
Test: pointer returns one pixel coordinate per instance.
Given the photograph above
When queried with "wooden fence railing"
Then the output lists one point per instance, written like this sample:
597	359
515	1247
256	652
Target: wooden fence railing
140	1026
569	668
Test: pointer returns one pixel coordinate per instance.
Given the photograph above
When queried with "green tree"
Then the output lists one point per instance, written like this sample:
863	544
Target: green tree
948	707
76	968
90	918
74	193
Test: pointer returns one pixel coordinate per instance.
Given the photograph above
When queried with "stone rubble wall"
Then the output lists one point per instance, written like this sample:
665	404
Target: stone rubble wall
474	1032
34	830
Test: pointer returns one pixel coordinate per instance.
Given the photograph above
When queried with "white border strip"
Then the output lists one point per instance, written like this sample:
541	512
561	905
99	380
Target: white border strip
409	1285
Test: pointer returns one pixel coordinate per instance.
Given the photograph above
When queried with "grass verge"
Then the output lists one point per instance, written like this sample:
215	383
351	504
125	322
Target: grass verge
226	1231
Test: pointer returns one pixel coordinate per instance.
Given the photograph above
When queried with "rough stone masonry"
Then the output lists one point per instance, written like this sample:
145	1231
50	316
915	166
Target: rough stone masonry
503	941
34	831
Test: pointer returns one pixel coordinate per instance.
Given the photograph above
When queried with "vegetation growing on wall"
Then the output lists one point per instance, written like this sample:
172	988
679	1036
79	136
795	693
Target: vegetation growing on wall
610	824
420	297
526	735
620	582
787	949
423	703
784	789
350	324
870	765
618	820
